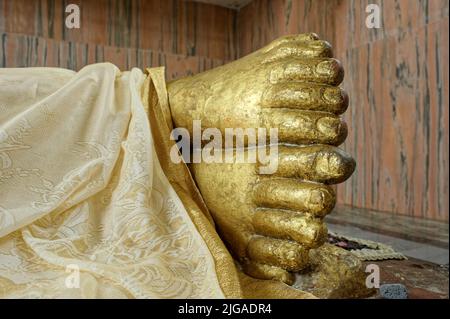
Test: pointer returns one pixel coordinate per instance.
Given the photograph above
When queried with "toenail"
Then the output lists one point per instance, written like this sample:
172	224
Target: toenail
317	197
329	126
334	95
328	67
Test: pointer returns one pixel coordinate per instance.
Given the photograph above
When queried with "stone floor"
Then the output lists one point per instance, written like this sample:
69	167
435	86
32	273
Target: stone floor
413	229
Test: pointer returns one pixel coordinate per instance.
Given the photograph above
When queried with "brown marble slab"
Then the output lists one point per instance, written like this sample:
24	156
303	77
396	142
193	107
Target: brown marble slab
397	17
398	122
262	21
28	51
176	27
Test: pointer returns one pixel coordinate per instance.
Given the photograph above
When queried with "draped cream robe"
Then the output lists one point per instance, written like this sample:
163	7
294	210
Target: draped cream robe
87	188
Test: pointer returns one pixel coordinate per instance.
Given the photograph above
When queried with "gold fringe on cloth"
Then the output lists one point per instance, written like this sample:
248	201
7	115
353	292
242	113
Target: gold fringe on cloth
374	251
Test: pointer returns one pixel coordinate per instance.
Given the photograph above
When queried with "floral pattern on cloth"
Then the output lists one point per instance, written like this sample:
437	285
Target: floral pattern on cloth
81	189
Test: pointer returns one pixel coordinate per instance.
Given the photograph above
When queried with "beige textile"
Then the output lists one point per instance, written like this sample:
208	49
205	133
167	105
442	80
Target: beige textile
81	188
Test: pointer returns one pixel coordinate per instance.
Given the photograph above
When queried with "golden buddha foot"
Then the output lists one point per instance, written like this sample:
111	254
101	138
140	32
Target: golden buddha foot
270	222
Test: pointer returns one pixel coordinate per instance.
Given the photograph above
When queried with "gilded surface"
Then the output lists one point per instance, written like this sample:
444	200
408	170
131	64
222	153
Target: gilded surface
270	222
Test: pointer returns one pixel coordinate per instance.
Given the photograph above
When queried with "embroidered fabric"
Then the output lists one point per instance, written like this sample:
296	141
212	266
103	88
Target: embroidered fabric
82	193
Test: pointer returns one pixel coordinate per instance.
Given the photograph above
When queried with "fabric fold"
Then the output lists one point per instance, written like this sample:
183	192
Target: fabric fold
85	208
